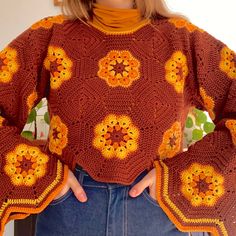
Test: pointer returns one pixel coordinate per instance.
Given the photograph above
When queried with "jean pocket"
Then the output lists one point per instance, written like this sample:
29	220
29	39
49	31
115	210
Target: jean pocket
61	198
149	198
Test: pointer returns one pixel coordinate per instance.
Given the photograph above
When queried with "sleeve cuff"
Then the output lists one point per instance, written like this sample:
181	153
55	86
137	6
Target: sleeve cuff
20	208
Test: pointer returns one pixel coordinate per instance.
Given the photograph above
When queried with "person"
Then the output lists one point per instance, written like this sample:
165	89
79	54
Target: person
120	77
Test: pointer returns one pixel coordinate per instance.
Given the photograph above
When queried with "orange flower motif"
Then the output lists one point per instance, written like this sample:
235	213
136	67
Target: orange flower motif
182	23
25	164
1	121
231	125
208	103
119	68
58	132
177	70
228	62
31	99
8	64
48	22
59	65
116	136
171	141
202	185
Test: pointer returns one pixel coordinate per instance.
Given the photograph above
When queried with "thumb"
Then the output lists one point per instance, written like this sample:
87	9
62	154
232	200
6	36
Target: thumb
77	188
140	186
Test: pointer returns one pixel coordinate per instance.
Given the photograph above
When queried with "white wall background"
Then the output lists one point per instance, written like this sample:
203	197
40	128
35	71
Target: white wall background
214	16
17	15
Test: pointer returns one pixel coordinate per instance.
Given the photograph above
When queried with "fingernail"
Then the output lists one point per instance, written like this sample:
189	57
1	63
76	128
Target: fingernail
83	197
133	192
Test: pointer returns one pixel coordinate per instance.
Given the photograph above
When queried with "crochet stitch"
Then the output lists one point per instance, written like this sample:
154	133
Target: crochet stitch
118	103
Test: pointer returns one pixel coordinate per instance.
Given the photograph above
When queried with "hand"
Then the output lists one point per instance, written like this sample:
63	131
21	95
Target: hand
149	180
74	184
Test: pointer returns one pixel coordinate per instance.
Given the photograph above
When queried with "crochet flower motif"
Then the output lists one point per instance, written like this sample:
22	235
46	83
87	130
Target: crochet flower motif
208	103
59	65
177	70
171	141
25	164
202	185
182	23
228	62
119	68
1	121
48	22
31	99
116	136
231	125
58	132
8	64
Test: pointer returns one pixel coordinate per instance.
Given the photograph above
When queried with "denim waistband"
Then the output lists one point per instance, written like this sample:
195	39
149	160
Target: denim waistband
84	177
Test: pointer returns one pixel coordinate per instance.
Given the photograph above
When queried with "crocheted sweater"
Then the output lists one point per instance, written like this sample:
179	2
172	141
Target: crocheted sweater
118	103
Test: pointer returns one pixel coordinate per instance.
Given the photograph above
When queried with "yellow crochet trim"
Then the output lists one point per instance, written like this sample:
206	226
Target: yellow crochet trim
27	211
160	166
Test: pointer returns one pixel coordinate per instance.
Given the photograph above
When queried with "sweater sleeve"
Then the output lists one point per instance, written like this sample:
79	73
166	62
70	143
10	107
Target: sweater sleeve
197	188
30	176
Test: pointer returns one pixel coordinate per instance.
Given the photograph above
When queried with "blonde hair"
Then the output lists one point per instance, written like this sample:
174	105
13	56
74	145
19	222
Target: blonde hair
82	9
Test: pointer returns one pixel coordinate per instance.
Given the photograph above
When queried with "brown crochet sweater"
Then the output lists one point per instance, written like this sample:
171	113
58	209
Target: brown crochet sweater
118	103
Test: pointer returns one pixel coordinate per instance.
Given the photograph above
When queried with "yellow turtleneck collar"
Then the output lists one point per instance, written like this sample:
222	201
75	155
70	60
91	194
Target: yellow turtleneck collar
110	19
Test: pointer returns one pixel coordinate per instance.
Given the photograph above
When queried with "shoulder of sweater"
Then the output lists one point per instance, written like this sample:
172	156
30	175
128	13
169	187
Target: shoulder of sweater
50	22
179	28
165	27
174	24
40	32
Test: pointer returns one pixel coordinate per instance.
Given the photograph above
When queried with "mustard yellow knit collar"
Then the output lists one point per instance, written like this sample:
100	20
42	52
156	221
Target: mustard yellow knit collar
110	19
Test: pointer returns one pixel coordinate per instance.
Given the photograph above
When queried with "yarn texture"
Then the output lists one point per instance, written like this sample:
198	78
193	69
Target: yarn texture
118	102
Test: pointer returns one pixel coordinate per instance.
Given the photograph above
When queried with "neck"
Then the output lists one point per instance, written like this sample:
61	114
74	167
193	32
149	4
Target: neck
125	4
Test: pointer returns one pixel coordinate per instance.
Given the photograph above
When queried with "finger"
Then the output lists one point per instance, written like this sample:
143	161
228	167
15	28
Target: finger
77	188
138	188
63	191
152	191
152	186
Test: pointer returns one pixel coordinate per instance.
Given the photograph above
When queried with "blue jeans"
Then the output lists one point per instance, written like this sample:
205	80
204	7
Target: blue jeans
109	211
